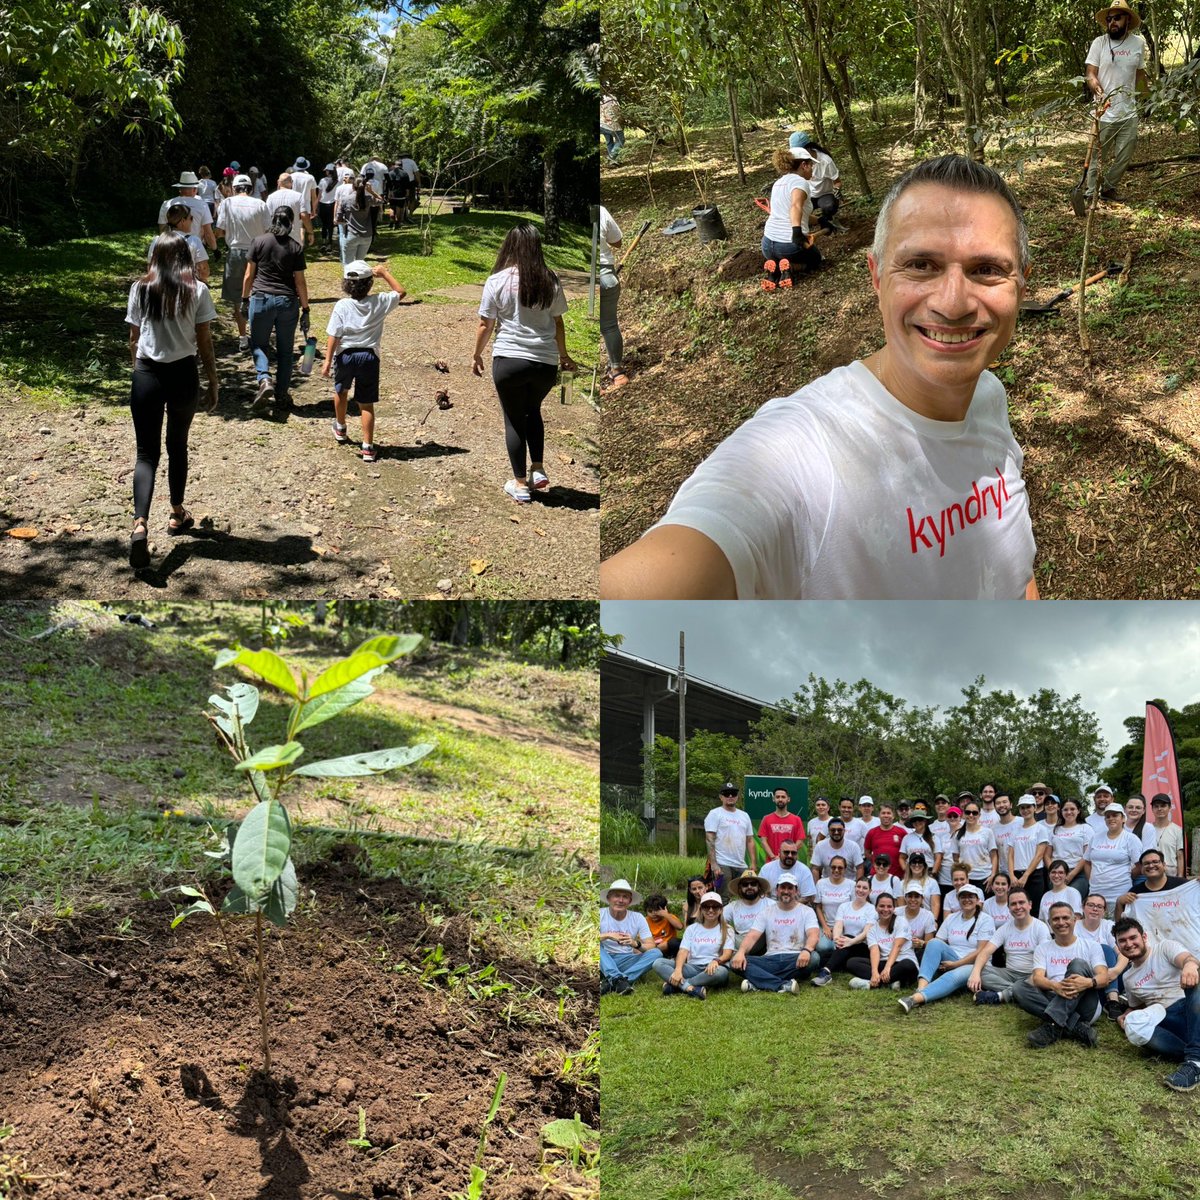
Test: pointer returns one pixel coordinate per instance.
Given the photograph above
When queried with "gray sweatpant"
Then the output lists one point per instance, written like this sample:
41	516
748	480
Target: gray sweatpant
1117	140
610	331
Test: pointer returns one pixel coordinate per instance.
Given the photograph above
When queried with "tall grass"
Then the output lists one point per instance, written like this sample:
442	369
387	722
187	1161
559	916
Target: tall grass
620	831
656	873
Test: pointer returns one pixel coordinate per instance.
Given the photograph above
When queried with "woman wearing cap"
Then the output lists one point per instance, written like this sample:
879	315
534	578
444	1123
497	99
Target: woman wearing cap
1114	858
168	315
704	953
224	189
750	893
833	890
883	880
523	304
919	840
180	219
627	949
1028	850
1069	841
947	847
947	961
976	846
275	296
890	958
854	918
917	872
922	925
787	245
826	185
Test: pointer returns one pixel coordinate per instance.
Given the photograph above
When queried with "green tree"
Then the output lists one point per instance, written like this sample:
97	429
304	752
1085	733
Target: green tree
712	758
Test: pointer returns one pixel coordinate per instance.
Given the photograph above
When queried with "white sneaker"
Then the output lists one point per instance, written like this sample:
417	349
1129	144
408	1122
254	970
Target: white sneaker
860	984
794	987
747	986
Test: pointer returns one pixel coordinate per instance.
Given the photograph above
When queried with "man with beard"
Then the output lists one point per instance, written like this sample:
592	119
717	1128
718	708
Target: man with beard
791	933
788	864
780	826
838	845
1115	73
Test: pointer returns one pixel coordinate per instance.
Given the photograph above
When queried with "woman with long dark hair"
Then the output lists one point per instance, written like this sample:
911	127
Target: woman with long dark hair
275	294
180	220
354	219
691	901
524	303
890	958
168	317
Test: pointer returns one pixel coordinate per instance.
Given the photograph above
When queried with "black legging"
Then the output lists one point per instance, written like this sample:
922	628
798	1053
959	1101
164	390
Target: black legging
522	385
840	960
904	970
158	387
325	212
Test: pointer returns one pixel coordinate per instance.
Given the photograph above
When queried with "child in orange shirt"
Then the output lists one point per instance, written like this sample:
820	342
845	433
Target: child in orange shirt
664	925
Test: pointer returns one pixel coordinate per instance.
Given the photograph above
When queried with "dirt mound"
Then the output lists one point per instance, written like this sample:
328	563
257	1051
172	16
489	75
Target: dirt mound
136	1073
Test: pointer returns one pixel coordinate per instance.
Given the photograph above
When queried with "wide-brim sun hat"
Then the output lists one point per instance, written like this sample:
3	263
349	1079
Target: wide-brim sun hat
187	179
1118	6
748	876
621	885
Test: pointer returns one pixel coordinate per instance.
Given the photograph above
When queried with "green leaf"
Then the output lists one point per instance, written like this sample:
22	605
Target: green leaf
200	906
389	646
478	1178
569	1135
191	891
366	764
238	902
271	758
261	850
332	703
266	664
285	891
346	671
243	699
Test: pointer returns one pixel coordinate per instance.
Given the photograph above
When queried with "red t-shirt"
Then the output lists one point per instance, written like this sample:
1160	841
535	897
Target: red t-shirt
884	841
774	830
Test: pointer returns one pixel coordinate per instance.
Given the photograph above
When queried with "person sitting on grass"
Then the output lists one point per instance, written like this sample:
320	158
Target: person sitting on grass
917	871
791	932
948	960
355	331
922	925
883	880
627	950
1016	940
854	918
703	955
750	894
832	892
1164	1000
665	926
890	958
1069	976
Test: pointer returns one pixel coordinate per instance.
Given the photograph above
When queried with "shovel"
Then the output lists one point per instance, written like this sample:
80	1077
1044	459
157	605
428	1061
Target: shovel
637	237
1078	203
1032	308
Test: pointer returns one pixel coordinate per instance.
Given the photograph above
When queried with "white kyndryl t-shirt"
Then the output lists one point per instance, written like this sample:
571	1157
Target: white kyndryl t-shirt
1156	981
1019	944
732	828
840	492
1117	64
779	224
786	929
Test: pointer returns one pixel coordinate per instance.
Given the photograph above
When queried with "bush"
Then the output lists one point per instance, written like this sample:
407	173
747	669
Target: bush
621	831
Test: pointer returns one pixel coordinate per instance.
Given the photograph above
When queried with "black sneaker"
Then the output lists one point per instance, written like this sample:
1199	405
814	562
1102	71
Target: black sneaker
1185	1078
669	989
1086	1034
1114	1008
623	986
1044	1035
984	996
606	985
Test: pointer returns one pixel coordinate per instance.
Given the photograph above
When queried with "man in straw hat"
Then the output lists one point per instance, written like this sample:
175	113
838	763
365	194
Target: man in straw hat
1116	73
627	948
188	188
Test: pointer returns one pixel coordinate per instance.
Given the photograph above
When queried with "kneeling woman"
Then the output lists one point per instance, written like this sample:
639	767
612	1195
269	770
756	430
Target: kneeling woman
891	961
706	948
947	961
787	245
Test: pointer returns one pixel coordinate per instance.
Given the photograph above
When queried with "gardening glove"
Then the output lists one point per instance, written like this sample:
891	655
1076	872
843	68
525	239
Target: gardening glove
799	236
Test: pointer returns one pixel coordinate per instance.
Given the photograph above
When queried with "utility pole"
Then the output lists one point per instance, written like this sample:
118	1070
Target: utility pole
682	680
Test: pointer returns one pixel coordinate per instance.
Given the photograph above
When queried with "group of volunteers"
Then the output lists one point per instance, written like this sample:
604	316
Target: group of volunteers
895	476
266	232
1065	914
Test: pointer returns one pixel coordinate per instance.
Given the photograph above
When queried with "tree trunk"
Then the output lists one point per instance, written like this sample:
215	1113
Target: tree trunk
920	92
736	126
843	111
803	82
550	193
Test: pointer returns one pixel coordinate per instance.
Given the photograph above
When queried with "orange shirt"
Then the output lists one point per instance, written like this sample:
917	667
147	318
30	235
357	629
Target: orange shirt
661	929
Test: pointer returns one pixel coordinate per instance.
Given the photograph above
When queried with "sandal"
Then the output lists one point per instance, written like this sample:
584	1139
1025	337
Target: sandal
139	545
175	526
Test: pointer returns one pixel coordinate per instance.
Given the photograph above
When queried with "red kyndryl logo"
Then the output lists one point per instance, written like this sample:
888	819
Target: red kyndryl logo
941	528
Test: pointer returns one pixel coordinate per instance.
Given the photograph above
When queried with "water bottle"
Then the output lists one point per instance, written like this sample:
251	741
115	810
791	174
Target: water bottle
310	356
566	387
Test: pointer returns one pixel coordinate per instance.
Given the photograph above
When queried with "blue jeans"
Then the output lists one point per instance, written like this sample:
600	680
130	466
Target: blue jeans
772	972
614	142
281	314
802	258
948	982
353	246
1178	1033
665	967
628	963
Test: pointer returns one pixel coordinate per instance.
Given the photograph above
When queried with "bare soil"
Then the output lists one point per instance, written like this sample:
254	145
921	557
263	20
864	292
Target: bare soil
131	1064
1112	442
283	510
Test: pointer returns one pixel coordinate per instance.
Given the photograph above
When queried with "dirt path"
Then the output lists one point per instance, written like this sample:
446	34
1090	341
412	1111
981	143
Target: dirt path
292	513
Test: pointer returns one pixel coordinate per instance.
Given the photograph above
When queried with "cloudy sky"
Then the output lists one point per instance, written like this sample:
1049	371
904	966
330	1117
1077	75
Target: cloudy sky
1115	655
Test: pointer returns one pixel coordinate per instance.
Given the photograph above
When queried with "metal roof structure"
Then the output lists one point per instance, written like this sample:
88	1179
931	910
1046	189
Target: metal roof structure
636	693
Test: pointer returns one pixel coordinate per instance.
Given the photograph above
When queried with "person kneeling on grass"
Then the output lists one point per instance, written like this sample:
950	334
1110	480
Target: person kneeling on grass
1161	985
627	949
947	961
355	331
1069	975
791	931
706	949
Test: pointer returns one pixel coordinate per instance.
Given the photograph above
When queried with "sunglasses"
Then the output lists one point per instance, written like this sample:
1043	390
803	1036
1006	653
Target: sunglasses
971	812
710	904
1039	792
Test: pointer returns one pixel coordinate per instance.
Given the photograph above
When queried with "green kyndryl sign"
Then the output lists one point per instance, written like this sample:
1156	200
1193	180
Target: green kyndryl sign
758	795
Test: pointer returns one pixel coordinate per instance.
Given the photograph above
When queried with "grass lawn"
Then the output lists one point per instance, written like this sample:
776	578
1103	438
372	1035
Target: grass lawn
836	1093
64	305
